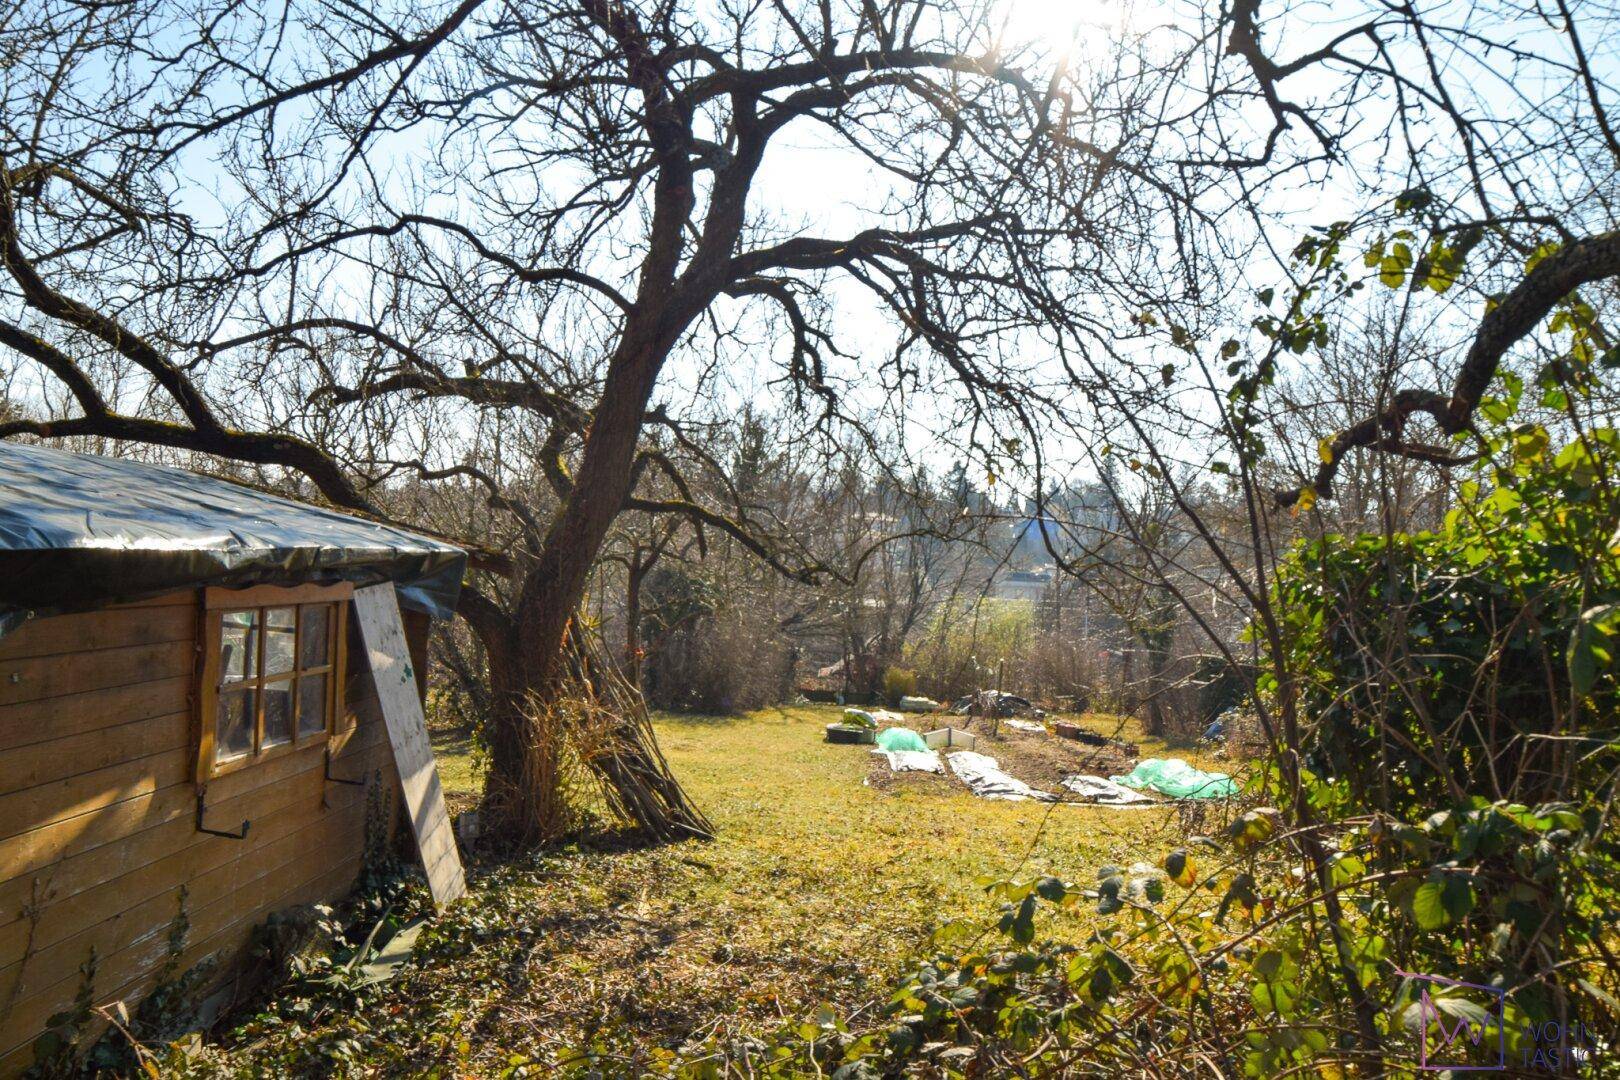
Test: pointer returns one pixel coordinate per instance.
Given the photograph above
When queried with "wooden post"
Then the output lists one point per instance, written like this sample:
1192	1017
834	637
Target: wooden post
995	707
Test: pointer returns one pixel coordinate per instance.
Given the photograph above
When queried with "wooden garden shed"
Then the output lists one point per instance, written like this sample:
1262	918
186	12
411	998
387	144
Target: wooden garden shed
190	733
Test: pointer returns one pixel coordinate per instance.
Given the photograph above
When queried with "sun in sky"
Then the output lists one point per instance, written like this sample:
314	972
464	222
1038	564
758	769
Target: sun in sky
1059	25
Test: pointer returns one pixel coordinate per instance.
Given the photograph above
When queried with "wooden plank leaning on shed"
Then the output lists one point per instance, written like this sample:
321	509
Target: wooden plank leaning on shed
384	634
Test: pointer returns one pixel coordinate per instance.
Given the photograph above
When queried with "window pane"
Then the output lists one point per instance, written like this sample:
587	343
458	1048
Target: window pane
278	711
233	731
311	705
279	626
238	646
313	642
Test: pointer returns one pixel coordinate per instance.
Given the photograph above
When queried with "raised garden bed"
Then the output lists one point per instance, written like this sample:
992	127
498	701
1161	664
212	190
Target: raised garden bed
850	734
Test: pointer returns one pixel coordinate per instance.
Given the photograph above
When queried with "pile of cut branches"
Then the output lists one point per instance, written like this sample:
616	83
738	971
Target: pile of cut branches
605	721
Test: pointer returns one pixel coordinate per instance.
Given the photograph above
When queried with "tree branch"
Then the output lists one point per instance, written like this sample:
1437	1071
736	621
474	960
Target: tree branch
1554	277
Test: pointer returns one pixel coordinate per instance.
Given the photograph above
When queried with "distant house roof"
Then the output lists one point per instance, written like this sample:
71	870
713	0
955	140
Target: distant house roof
78	531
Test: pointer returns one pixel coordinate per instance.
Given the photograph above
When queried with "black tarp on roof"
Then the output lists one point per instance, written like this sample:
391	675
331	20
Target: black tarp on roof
78	531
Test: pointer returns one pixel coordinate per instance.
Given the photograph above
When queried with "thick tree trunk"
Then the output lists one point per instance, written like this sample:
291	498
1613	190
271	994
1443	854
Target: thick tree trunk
523	799
526	793
554	586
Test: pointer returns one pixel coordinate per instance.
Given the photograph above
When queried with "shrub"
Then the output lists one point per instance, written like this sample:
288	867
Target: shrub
958	651
716	663
1440	662
706	649
898	683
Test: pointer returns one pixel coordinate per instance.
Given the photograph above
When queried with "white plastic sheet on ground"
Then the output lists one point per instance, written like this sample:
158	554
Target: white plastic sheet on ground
1026	725
984	777
1105	792
913	760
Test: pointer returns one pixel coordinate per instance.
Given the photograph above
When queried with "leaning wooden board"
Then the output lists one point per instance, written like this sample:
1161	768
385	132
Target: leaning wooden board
384	635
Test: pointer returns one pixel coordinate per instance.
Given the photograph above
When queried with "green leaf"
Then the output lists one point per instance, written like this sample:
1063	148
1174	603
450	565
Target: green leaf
1241	892
1441	267
1414	200
1051	889
1254	827
1601	994
1589	654
1442	901
1392	268
1179	865
1540	253
1020	924
1530	441
1470	1013
1345	869
1457	897
1496	410
1428	908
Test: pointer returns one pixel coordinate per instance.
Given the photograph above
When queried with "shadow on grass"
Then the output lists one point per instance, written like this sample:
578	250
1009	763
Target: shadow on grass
490	856
698	720
454	742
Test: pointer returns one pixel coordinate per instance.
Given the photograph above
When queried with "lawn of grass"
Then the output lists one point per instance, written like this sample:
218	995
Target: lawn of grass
854	868
804	844
818	888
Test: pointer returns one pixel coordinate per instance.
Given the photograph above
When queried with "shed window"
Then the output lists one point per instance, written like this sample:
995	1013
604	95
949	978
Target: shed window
272	674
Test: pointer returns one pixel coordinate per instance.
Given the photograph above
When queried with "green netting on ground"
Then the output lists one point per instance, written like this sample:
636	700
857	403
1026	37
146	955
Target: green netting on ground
899	738
1176	778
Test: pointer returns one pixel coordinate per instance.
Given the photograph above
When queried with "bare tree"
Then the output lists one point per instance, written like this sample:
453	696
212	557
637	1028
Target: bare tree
506	220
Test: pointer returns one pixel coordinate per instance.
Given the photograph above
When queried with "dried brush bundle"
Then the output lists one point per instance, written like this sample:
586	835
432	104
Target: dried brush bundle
606	753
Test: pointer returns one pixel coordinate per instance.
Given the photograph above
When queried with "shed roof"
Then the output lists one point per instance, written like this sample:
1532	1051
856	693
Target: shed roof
78	531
